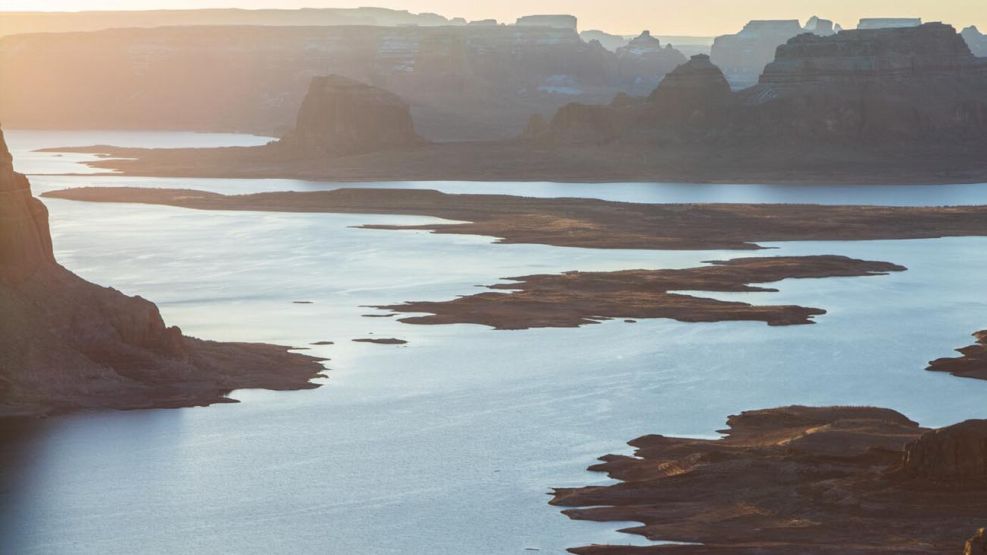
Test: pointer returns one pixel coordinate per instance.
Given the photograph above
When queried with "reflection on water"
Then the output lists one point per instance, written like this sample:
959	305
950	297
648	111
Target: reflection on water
450	444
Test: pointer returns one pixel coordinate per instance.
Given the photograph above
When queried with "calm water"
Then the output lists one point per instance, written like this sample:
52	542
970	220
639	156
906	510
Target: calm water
41	163
447	445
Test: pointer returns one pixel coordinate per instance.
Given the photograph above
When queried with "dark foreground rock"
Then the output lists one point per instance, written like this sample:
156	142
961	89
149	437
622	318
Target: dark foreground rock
68	344
579	298
797	480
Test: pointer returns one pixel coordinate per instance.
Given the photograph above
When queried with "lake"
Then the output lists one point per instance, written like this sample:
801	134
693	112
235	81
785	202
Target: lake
450	444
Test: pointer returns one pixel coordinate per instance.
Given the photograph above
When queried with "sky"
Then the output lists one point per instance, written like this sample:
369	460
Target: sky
667	17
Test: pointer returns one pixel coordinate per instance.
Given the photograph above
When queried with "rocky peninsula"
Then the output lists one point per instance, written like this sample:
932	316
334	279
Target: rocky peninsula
578	298
589	223
67	344
797	480
972	363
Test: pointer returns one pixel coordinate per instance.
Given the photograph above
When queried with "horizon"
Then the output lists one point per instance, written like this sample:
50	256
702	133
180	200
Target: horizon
625	17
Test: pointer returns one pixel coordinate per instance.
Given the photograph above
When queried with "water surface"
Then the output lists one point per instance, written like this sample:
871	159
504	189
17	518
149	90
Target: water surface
447	445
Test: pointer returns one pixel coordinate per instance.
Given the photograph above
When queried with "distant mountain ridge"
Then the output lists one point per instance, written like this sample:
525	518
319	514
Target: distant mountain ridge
917	85
462	82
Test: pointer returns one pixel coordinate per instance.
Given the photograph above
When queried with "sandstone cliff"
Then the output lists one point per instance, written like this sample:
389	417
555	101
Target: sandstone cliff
340	116
68	344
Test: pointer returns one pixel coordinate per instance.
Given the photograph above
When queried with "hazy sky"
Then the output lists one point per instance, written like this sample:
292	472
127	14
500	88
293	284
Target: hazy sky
695	17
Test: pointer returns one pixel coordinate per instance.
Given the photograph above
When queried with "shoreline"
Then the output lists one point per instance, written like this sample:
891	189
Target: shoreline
586	223
517	161
575	299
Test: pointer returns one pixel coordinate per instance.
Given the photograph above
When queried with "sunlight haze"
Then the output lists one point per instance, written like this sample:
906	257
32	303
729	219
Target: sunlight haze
710	17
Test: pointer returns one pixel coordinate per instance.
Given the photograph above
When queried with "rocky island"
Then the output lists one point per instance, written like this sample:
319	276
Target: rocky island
578	298
797	480
67	344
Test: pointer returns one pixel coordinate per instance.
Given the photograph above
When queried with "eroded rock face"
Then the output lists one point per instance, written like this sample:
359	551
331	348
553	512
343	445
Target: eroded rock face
976	40
68	344
905	84
25	242
914	87
957	454
644	61
340	116
742	56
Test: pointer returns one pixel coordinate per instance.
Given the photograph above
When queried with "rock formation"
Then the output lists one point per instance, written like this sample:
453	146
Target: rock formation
340	116
976	40
957	454
25	241
906	86
68	344
797	480
608	40
686	105
462	82
821	27
742	56
901	84
888	22
643	62
554	21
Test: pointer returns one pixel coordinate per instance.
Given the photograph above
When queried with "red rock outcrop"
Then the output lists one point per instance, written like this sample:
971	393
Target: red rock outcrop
68	344
796	480
957	455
